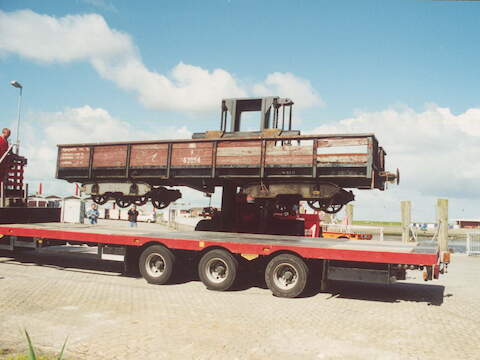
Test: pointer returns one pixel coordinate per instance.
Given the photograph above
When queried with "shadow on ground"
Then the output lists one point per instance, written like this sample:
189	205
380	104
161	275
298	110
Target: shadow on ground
84	263
249	278
425	293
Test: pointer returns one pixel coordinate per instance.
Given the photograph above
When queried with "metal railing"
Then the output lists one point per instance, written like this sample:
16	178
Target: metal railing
473	244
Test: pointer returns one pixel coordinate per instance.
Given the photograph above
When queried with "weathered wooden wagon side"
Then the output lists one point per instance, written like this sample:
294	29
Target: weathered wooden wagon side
306	165
350	161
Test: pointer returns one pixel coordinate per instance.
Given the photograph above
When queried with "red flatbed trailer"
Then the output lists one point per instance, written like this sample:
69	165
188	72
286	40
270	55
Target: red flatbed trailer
288	259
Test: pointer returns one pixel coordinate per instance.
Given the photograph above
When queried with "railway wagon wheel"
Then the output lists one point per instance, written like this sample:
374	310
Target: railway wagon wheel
218	269
333	209
100	199
156	264
286	275
325	206
140	200
123	202
160	204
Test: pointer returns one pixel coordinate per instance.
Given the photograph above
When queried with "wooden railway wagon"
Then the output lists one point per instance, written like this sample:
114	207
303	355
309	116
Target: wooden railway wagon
273	164
288	262
351	161
313	167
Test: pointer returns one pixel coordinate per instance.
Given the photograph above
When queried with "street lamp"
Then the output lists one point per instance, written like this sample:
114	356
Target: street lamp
18	86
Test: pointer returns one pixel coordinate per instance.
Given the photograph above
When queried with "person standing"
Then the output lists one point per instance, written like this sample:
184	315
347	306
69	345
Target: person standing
132	216
4	141
3	149
93	214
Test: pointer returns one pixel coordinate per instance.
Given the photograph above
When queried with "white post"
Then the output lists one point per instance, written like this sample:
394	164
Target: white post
406	207
469	239
349	216
442	221
62	211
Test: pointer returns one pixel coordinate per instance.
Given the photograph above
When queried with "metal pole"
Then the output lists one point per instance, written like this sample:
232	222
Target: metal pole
18	119
290	119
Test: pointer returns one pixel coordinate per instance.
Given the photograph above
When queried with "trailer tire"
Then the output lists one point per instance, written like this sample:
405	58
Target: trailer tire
156	264
286	275
218	269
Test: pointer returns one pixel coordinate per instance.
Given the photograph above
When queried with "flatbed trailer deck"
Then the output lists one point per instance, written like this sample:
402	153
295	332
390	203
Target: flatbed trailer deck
289	258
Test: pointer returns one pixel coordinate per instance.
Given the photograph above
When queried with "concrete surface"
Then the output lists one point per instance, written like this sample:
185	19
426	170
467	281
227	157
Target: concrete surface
108	316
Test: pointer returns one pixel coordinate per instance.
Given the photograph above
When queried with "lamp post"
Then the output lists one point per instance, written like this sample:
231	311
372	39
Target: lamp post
18	86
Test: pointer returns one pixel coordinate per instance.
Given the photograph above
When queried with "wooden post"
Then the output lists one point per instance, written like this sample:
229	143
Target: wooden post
442	221
349	213
83	211
406	207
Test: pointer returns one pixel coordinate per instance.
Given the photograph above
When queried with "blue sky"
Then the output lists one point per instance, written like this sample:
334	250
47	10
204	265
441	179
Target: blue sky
359	57
357	54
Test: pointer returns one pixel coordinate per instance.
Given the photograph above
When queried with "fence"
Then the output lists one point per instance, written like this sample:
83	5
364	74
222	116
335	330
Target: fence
473	244
376	231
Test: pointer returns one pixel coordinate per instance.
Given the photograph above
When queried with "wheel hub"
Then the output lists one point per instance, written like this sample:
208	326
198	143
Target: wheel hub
217	270
285	276
155	265
220	271
159	265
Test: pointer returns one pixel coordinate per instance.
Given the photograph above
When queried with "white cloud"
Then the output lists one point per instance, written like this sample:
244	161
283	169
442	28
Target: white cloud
189	88
289	85
437	153
114	56
74	37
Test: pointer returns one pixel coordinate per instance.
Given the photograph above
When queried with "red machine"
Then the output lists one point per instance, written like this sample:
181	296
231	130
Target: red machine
284	219
12	192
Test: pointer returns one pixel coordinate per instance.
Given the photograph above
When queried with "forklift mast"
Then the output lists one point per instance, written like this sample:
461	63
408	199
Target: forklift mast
268	107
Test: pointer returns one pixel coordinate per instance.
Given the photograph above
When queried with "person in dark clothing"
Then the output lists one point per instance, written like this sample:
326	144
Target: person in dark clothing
132	216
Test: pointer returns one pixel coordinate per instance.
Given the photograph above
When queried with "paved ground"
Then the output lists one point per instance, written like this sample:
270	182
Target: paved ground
108	316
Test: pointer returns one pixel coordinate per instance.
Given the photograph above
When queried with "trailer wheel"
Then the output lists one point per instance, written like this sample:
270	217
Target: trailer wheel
156	264
286	275
218	269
